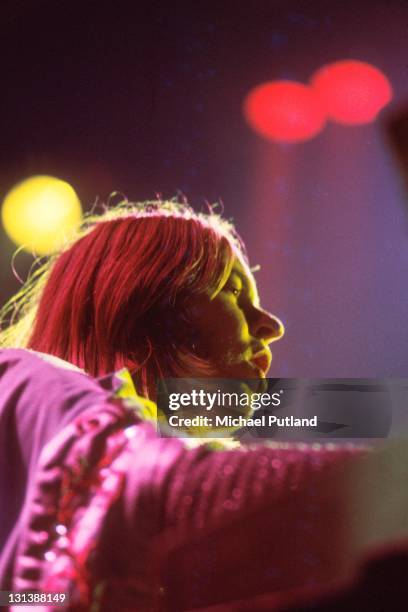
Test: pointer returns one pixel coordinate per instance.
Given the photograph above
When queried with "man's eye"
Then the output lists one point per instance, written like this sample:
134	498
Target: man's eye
236	291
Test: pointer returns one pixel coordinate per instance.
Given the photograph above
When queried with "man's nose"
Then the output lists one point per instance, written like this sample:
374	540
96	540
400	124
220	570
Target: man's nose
267	327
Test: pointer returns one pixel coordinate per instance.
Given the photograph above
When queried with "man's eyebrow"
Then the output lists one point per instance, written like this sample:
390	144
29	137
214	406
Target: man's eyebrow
248	285
237	275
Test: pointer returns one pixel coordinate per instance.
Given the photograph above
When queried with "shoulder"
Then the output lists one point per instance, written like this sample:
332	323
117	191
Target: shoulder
27	364
40	393
38	371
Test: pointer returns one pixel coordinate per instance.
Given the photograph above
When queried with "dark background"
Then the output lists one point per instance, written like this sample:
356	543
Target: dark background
145	98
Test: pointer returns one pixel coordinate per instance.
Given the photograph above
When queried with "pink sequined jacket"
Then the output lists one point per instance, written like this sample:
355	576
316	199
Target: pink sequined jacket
96	505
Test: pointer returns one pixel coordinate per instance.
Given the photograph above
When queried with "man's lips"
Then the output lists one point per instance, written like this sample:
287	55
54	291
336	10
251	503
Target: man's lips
262	360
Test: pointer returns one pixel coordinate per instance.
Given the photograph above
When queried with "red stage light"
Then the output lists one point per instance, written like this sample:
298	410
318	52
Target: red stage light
284	110
352	92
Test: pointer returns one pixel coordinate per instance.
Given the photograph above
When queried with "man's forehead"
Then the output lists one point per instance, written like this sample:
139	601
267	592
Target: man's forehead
241	269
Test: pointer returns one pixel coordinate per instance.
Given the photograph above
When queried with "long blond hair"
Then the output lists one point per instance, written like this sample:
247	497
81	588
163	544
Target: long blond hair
116	295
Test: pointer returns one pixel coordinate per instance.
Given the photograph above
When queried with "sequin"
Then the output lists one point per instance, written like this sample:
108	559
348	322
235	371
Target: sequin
41	537
61	530
130	432
62	542
50	556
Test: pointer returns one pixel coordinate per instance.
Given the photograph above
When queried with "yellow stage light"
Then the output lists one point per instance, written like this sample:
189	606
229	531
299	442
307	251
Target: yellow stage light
40	213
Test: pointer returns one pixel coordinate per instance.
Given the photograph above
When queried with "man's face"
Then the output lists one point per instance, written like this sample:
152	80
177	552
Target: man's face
233	331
